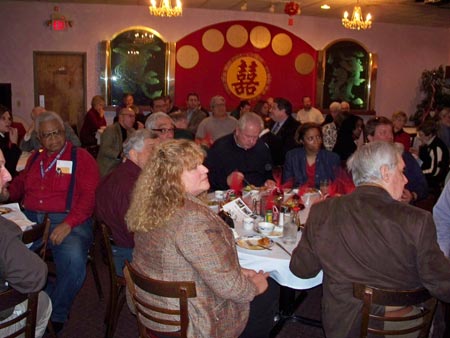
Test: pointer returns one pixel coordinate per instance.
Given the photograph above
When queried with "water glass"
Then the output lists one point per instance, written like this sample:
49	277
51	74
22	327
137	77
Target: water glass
290	233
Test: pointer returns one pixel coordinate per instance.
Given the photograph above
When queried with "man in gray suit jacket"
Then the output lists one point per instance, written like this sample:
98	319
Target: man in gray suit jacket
111	142
370	237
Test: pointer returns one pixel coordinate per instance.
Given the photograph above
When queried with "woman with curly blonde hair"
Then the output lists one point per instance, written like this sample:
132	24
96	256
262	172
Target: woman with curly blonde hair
178	238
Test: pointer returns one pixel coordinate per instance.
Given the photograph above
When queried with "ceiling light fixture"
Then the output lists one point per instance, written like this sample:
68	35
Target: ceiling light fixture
165	8
357	21
325	6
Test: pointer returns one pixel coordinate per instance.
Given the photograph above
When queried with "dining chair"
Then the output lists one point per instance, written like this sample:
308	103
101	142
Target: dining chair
9	299
181	290
373	323
116	286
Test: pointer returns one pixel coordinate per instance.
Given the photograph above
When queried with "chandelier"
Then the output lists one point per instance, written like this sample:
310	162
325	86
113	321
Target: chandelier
165	8
357	21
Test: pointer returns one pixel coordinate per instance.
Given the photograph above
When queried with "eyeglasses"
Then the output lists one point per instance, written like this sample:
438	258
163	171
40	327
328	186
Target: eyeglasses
50	134
165	130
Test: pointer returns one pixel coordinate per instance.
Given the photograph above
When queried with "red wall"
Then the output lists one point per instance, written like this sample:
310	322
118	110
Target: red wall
206	77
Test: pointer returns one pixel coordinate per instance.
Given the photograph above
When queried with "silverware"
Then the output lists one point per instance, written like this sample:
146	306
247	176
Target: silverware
283	248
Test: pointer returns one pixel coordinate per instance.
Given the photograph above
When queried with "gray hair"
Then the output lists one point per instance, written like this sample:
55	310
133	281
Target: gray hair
335	106
48	116
136	141
212	103
366	162
153	118
250	118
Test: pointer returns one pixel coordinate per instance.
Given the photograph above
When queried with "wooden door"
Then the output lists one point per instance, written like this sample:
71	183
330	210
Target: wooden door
60	79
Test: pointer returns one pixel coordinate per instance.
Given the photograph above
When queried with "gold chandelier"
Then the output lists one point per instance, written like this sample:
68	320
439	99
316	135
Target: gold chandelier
357	21
165	8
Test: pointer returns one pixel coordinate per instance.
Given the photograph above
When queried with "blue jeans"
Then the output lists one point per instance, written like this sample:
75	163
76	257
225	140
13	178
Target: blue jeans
70	259
120	255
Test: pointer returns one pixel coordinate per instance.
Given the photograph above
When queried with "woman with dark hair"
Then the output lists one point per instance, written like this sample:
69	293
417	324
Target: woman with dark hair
434	154
349	132
310	164
178	238
93	121
9	138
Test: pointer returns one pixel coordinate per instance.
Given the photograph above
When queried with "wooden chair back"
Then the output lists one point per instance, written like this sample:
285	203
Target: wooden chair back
37	232
385	297
9	299
116	286
181	290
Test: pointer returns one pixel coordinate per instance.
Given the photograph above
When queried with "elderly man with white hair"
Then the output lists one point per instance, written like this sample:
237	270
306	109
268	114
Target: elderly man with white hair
31	141
372	238
60	182
161	124
113	195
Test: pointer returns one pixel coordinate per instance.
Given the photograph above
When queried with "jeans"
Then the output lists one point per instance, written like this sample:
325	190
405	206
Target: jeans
120	255
70	259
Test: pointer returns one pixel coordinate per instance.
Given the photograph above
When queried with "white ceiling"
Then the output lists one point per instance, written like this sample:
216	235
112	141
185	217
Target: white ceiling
434	13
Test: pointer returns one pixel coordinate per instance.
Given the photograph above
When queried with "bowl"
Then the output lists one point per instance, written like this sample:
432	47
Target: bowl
265	228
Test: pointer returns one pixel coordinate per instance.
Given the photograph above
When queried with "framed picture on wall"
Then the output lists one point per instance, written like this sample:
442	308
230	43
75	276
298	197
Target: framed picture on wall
136	64
348	74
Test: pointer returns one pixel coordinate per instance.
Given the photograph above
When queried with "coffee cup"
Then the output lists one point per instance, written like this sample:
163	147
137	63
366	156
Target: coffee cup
248	223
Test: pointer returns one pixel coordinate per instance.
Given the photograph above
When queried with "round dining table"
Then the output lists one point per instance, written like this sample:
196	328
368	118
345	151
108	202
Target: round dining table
276	261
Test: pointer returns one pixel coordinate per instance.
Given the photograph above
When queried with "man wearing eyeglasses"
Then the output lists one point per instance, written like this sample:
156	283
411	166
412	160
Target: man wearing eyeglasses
111	149
31	142
162	124
60	181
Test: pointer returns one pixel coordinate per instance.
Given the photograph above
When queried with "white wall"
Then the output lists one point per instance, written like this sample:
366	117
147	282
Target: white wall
403	51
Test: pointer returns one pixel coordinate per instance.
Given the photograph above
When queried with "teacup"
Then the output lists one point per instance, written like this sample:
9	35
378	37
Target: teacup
265	228
248	223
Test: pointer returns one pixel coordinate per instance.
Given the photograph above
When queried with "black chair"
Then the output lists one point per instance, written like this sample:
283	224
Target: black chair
180	290
9	299
373	323
116	287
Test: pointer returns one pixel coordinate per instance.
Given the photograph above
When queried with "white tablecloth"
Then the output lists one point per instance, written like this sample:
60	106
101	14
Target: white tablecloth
275	261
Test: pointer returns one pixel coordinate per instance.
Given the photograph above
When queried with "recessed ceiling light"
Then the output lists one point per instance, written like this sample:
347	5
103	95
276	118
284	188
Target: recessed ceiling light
325	6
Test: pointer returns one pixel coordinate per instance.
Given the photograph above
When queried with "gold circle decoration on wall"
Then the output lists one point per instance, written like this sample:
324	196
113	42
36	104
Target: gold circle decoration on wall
260	37
187	57
246	76
282	44
237	36
213	40
304	64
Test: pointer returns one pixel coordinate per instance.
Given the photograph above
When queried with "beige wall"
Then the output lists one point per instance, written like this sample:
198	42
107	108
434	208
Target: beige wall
403	51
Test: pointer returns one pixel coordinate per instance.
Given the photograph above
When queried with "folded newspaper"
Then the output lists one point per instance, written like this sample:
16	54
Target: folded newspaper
238	210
